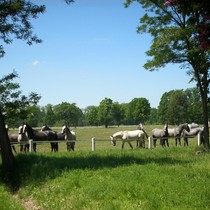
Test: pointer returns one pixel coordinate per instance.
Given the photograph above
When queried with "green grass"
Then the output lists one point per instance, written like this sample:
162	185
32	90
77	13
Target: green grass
109	178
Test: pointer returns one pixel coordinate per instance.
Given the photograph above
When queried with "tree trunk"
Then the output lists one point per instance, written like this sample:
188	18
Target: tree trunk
206	127
8	160
204	97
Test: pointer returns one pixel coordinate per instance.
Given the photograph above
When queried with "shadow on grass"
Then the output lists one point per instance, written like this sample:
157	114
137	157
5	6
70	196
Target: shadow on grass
35	169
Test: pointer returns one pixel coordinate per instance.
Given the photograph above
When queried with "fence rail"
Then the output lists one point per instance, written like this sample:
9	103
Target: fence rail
93	142
150	140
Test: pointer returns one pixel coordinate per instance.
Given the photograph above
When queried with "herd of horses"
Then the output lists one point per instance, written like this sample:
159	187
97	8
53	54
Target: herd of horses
184	130
26	132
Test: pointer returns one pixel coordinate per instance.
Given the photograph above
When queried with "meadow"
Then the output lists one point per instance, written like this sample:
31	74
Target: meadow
109	178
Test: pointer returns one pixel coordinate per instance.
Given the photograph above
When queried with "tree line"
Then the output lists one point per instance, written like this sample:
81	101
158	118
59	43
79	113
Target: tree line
175	107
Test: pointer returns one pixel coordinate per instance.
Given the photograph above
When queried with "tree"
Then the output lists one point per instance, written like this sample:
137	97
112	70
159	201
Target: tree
153	117
49	118
118	113
176	32
68	113
194	105
163	107
12	103
177	112
139	110
105	112
34	115
92	115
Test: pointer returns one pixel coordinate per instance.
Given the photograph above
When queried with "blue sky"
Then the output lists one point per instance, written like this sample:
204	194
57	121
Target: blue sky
90	51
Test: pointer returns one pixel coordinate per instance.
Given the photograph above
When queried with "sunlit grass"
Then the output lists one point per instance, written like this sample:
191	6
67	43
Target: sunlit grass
109	178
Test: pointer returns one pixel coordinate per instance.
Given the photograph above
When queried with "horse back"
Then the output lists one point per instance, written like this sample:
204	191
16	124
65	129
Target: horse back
133	134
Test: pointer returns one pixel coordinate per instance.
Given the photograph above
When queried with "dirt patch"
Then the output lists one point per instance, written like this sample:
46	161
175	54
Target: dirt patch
28	204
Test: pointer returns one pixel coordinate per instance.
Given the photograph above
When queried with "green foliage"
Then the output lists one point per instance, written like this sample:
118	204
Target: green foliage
138	110
49	117
15	17
177	109
153	117
118	113
92	116
34	115
179	106
105	112
68	113
12	103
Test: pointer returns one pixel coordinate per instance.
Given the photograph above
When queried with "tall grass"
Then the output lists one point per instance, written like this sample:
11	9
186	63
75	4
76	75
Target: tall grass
109	178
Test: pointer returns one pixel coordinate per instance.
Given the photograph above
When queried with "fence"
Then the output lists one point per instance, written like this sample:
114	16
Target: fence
150	141
93	142
31	142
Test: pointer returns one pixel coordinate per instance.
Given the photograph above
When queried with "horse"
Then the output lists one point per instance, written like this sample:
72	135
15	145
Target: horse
38	135
160	133
18	137
69	135
141	143
192	132
54	145
176	132
127	136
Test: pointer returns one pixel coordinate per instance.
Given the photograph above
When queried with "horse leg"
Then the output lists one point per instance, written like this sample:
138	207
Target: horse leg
154	142
179	141
56	146
34	146
162	142
13	147
130	145
166	142
26	148
185	141
123	144
21	148
137	143
68	146
72	146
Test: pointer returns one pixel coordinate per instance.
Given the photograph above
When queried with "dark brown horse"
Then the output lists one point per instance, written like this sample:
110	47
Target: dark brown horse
54	145
38	135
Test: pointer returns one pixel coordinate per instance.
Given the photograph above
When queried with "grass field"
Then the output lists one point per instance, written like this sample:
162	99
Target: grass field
109	178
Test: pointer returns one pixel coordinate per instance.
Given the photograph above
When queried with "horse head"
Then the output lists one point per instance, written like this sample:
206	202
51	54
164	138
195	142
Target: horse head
165	128
45	128
22	133
186	127
113	140
66	131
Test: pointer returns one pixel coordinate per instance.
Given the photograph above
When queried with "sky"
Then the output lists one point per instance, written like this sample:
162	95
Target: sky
90	51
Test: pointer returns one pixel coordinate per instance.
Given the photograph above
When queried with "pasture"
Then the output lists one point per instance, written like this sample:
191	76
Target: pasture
109	178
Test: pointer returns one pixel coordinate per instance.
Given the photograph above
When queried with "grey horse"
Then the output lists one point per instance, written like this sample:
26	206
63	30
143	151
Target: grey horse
160	134
191	133
177	131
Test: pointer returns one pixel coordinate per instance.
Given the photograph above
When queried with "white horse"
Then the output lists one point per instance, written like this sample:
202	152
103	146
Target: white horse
127	136
69	135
